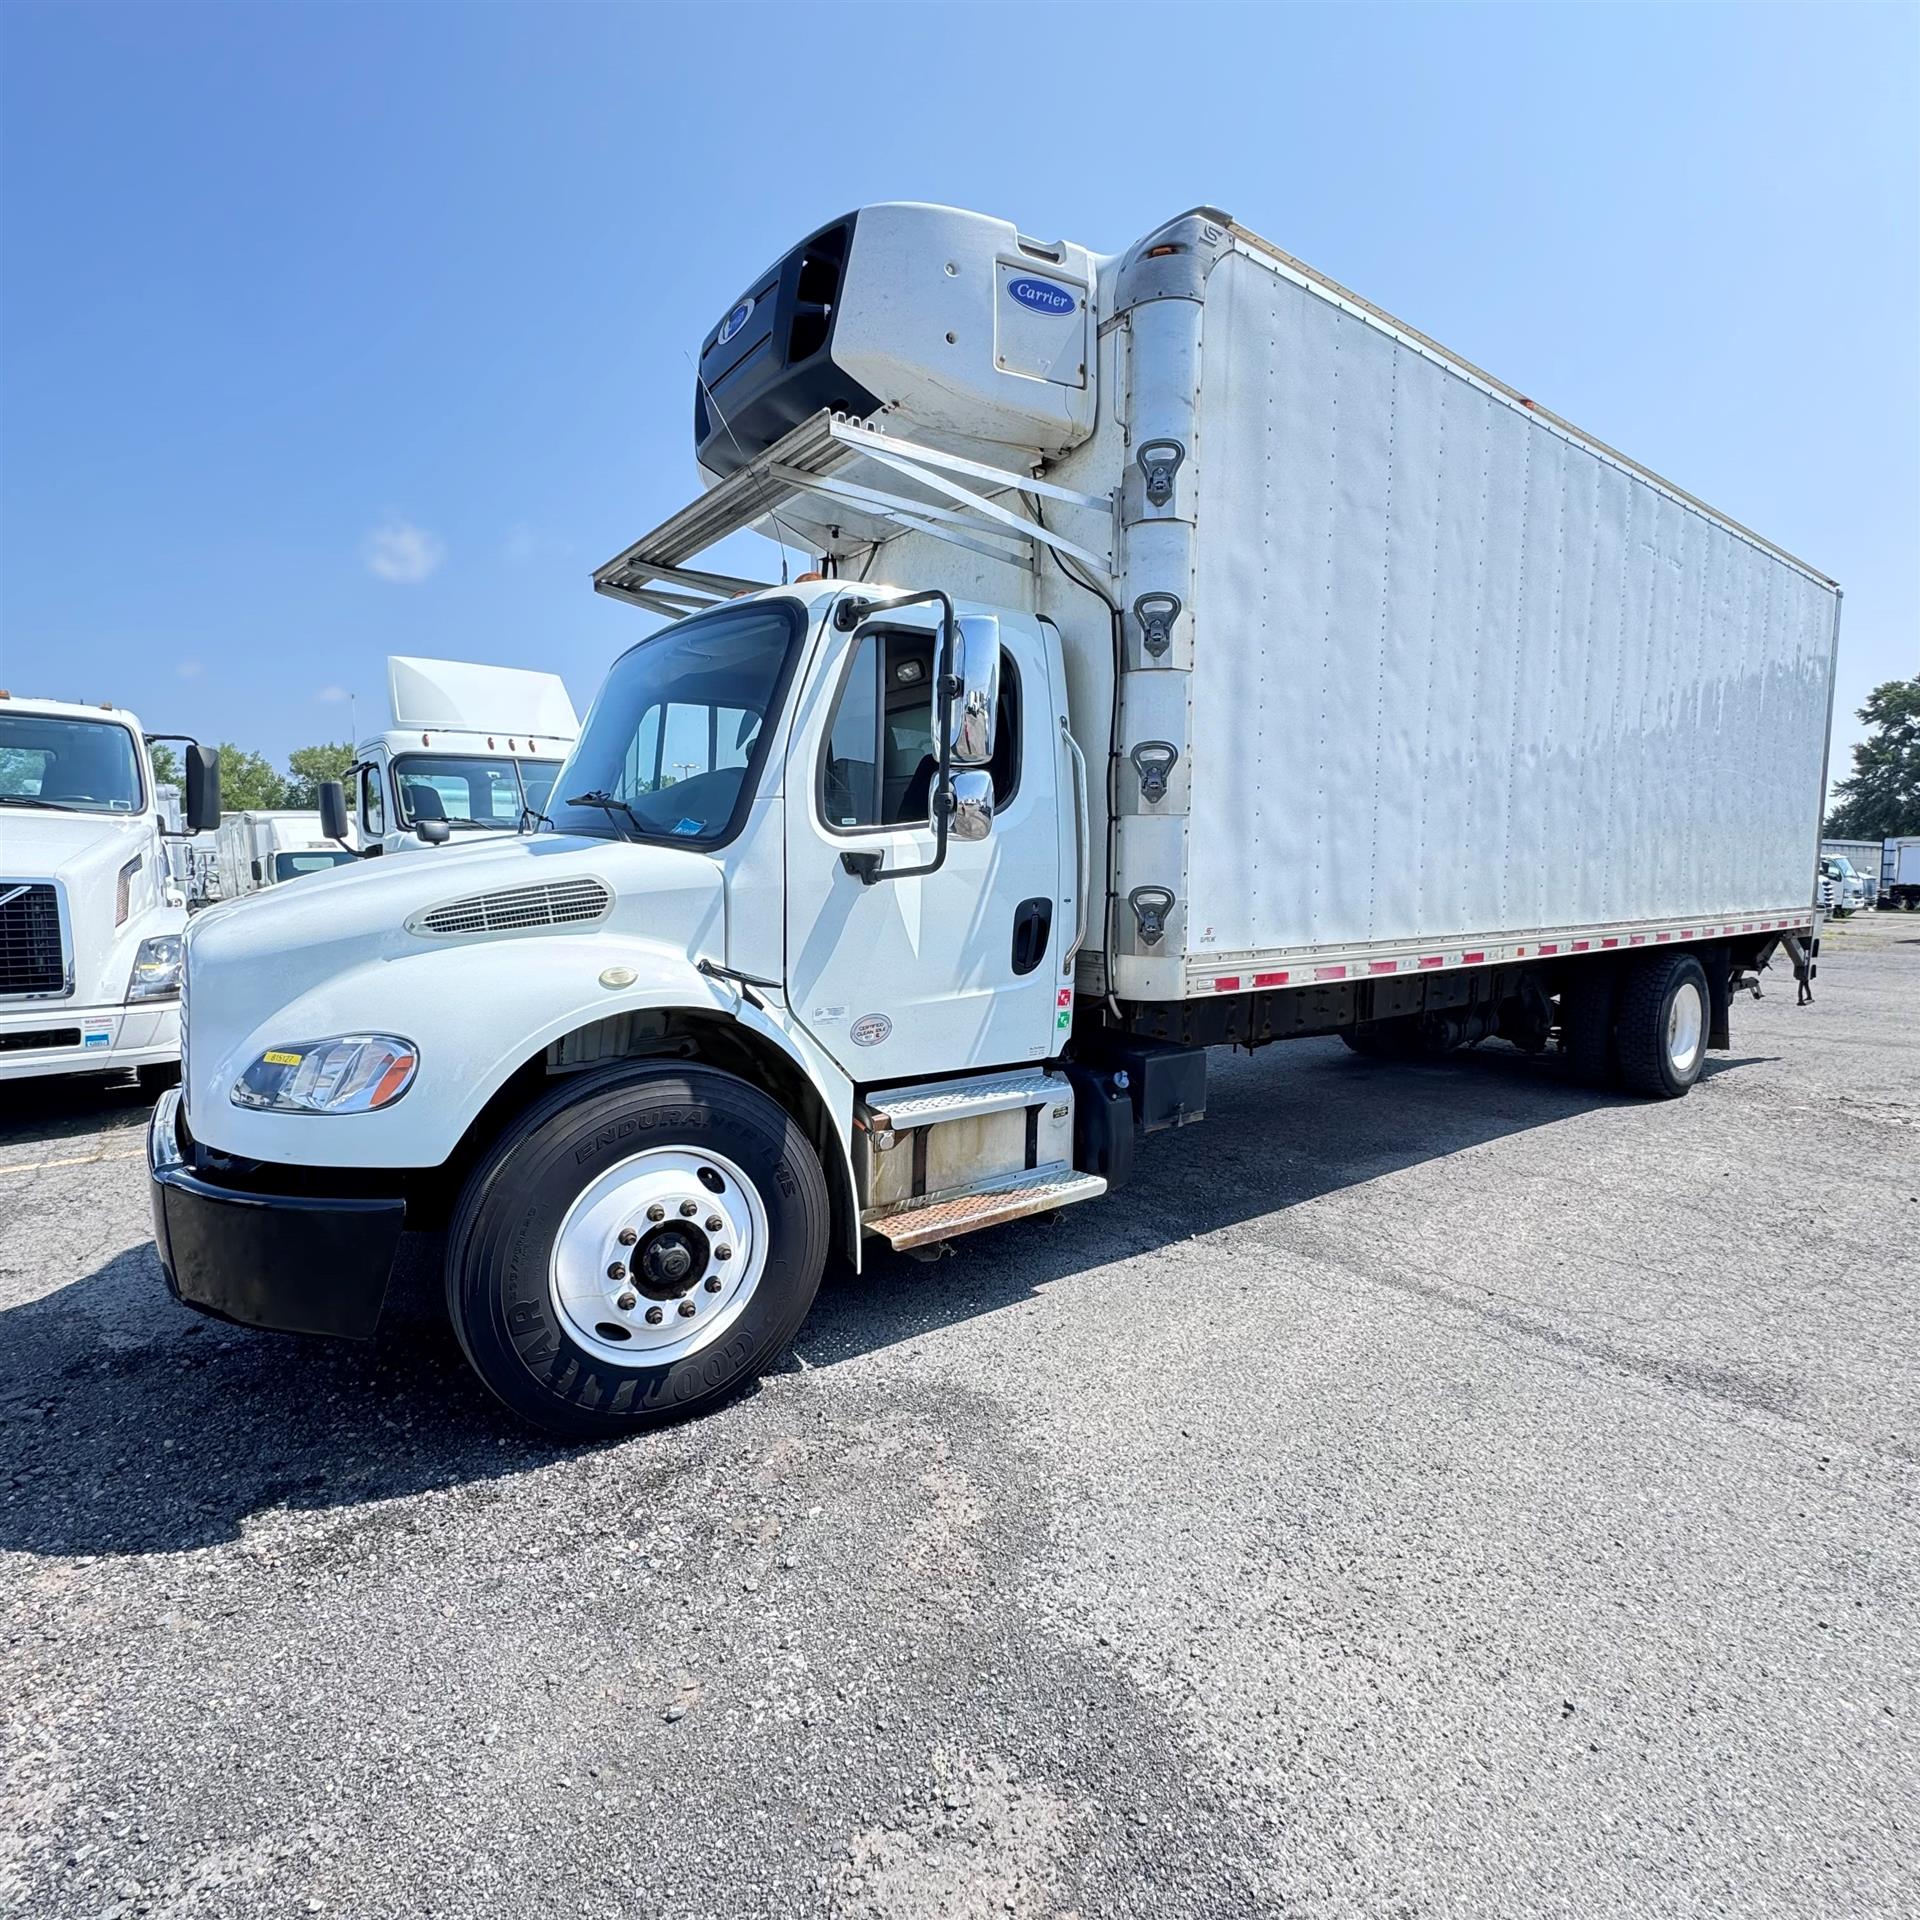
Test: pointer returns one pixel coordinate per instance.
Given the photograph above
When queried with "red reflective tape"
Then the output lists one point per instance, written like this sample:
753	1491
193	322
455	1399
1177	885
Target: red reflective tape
1636	939
1550	946
1269	979
1580	946
1329	973
1383	966
1472	959
1433	959
1748	928
1614	942
1228	983
1688	935
1658	937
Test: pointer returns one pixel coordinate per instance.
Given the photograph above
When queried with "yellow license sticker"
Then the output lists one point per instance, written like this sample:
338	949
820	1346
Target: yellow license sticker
282	1059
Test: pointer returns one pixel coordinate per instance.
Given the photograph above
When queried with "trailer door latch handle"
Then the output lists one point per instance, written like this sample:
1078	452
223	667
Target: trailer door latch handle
1159	462
1156	613
1153	762
1151	905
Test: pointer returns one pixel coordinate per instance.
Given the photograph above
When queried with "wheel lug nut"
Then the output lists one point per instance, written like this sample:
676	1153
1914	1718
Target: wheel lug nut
723	1253
688	1208
654	1316
713	1283
628	1301
714	1223
686	1309
628	1236
656	1211
618	1271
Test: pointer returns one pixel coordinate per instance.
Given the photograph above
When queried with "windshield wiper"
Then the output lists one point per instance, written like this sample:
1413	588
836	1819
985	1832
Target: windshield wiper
30	800
605	801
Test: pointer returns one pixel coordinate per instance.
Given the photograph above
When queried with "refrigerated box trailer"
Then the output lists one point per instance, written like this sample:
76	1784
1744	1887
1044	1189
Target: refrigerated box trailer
262	848
1900	871
1195	655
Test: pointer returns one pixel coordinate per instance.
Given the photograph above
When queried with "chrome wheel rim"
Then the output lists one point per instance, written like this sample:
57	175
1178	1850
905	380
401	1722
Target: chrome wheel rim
658	1257
1686	1021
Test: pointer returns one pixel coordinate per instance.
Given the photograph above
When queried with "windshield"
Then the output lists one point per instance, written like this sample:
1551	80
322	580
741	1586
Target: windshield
678	732
82	766
470	790
290	866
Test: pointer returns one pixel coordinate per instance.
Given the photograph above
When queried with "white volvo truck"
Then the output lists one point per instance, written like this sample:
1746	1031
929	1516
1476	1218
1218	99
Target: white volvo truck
469	749
1196	656
90	921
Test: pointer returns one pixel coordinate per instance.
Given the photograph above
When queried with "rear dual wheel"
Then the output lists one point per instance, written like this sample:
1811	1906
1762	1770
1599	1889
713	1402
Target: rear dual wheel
1660	1029
637	1246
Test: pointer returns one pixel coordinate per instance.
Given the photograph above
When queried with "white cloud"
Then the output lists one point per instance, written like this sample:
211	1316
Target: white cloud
333	695
398	551
191	669
525	542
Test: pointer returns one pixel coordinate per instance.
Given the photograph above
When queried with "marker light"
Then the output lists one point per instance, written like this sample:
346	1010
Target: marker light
351	1073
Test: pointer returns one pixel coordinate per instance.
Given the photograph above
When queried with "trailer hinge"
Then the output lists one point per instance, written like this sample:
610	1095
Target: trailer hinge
1151	905
1153	762
1156	613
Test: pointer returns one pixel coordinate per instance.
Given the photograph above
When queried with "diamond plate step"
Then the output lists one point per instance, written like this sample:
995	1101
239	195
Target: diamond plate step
1012	1196
933	1101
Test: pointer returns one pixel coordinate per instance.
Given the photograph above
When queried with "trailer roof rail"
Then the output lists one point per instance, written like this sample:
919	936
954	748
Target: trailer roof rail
876	486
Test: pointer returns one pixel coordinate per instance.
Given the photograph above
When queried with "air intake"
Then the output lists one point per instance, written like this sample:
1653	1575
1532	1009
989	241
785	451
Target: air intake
563	903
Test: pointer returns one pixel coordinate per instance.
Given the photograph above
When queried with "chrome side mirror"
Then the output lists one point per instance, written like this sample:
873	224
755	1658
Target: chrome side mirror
971	817
976	666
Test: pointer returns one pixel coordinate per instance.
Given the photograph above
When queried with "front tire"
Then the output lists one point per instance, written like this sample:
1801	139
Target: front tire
1660	1033
703	1194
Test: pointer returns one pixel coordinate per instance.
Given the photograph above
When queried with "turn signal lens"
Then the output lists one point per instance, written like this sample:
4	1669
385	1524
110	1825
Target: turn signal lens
352	1073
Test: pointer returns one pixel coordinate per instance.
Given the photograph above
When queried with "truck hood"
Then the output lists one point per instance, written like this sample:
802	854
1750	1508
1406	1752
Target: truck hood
362	949
84	853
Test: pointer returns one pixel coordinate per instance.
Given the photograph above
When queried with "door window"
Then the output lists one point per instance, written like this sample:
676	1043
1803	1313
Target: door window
373	810
881	757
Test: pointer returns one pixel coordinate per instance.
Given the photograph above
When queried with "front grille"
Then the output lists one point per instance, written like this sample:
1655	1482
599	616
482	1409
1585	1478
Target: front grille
560	904
32	958
25	1039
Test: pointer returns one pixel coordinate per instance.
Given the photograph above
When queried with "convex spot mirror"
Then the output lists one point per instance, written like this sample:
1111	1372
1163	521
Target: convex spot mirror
971	816
975	667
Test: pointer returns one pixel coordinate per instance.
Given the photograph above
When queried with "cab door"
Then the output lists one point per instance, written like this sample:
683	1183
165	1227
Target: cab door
941	973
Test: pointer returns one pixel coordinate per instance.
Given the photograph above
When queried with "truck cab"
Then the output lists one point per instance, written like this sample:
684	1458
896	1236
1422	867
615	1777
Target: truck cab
470	750
91	921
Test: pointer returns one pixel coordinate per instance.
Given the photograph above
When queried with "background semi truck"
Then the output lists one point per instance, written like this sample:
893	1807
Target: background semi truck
1196	655
90	919
468	745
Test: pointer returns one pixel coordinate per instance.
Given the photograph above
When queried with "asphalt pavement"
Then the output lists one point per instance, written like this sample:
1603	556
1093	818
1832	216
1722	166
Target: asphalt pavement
1427	1490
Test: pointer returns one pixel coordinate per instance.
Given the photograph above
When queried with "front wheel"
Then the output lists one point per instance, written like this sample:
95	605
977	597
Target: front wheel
638	1245
1660	1032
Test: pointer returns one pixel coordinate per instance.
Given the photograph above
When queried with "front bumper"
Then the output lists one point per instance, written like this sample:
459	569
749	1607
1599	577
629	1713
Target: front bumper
49	1036
238	1247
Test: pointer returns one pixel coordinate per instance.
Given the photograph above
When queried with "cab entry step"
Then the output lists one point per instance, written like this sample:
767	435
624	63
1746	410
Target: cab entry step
1012	1196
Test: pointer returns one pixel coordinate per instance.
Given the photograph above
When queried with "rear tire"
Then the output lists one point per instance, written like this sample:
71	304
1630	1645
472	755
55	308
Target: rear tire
1587	1004
1660	1033
702	1182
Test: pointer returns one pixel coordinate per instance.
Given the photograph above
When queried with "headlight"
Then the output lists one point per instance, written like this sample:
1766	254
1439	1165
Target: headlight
352	1073
156	969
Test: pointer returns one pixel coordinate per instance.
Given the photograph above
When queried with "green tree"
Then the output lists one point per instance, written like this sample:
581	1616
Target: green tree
166	765
1882	795
248	780
307	767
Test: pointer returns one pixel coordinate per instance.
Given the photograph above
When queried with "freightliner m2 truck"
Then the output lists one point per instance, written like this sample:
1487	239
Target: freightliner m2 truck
90	919
1195	656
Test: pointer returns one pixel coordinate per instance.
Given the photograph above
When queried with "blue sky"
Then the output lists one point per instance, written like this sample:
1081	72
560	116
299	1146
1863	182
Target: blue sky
337	330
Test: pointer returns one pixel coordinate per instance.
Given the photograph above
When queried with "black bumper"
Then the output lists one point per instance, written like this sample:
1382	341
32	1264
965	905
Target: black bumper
292	1262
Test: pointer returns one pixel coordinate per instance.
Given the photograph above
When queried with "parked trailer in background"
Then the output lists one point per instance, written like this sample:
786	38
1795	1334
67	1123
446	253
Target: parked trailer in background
1246	666
470	748
90	924
1900	872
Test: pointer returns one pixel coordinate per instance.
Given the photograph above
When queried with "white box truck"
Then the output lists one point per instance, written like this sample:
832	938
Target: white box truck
1900	871
469	748
266	847
90	921
1196	656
